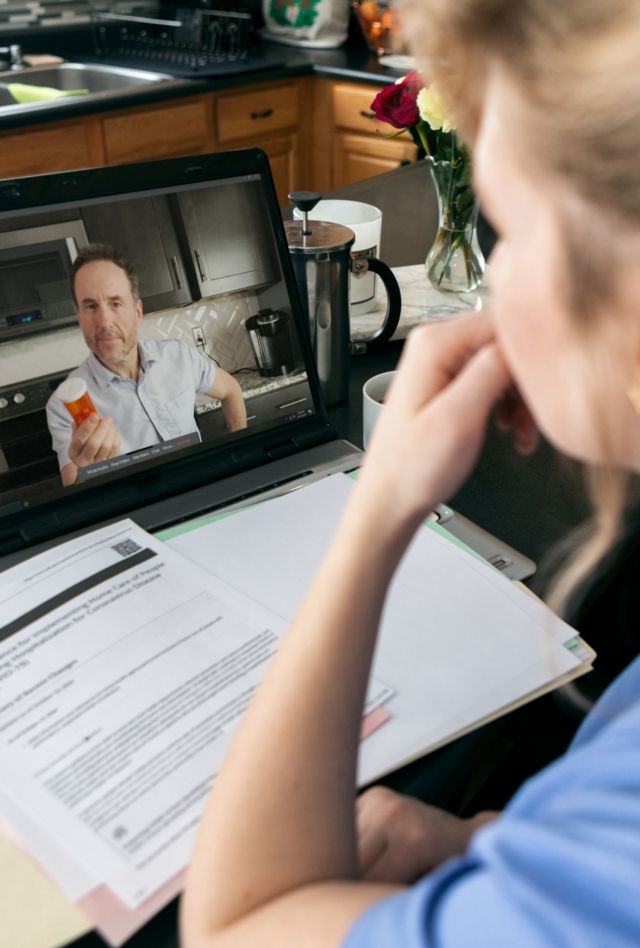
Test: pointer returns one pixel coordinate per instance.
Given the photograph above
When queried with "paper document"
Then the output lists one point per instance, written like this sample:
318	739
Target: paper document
123	675
125	669
126	664
459	641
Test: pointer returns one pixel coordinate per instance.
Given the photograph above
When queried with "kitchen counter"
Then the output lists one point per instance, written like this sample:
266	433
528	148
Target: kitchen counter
252	384
421	303
351	62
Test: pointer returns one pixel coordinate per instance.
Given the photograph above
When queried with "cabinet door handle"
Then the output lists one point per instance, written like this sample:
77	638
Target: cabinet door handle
367	115
296	401
196	254
176	272
260	115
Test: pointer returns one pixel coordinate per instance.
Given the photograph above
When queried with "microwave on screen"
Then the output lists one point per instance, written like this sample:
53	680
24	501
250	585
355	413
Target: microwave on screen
35	277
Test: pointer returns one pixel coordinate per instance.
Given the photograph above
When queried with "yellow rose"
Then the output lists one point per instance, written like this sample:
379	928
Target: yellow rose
432	109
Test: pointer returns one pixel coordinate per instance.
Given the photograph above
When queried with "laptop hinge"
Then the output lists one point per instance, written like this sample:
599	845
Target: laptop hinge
281	450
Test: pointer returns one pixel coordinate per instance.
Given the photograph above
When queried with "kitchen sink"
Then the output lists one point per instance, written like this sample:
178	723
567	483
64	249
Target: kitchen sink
97	80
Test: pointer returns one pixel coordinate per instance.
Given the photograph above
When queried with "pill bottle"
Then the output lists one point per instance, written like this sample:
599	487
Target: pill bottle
73	393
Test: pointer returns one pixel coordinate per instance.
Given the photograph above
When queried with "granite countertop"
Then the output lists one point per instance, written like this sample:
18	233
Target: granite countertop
352	62
253	384
421	303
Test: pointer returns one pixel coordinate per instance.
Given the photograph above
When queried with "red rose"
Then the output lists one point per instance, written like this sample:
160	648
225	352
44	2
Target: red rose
396	104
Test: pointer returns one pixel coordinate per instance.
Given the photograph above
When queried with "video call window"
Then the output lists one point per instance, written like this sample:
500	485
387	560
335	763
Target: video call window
183	336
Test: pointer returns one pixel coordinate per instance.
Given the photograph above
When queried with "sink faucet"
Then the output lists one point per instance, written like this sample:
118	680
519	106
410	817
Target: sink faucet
12	55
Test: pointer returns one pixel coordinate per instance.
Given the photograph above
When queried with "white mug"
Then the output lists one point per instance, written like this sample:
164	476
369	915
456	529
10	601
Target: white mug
365	220
373	393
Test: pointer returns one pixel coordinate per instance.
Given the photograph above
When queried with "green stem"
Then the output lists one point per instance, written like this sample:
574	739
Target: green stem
450	249
423	139
440	267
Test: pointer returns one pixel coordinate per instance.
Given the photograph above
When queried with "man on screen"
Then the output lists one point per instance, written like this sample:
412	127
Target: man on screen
144	390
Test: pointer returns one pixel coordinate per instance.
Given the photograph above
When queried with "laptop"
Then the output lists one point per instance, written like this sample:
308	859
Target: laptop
204	236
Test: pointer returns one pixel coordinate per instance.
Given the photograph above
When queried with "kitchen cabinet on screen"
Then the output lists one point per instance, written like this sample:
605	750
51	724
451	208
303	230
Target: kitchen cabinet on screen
143	230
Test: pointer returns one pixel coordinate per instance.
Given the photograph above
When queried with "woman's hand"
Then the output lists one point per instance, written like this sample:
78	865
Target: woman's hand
401	839
431	431
512	414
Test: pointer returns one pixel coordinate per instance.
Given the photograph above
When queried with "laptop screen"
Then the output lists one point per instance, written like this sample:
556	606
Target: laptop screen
148	323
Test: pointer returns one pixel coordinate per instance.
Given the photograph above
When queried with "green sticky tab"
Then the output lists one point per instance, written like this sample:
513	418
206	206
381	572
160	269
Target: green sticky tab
171	532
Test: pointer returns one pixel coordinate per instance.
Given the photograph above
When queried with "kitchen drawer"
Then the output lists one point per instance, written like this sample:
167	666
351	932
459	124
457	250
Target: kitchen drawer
211	424
256	113
356	157
283	401
352	108
162	131
54	147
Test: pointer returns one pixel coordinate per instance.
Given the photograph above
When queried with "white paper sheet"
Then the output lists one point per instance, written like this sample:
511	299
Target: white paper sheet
118	703
125	669
458	640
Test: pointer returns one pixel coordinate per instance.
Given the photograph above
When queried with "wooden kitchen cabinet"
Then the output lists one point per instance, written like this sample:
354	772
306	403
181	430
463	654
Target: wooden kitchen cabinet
268	117
56	146
166	130
284	159
318	133
362	146
259	112
360	156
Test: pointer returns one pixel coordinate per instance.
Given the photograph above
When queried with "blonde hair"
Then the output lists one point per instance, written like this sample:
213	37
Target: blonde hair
576	64
576	67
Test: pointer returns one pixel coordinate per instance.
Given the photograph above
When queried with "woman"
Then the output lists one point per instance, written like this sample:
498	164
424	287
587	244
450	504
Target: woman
547	94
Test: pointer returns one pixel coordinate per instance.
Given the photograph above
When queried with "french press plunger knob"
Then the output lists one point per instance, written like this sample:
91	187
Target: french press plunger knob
305	201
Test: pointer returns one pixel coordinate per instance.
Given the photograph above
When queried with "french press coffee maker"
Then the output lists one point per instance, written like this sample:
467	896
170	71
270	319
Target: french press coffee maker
322	261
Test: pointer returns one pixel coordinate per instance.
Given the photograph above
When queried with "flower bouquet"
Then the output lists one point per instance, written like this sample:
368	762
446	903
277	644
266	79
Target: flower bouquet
455	262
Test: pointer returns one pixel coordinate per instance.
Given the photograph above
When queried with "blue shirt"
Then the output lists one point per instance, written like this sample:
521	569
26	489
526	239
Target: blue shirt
561	867
158	407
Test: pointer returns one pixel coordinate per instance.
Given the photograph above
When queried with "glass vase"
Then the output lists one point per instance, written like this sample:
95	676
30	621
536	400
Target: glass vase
455	263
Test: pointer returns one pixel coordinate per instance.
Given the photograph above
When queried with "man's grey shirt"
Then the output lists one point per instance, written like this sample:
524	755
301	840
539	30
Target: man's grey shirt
158	407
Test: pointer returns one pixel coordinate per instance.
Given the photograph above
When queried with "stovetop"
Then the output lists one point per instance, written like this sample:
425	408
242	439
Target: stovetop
22	398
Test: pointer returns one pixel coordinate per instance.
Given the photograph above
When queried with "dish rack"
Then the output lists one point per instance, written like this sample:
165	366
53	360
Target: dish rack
188	38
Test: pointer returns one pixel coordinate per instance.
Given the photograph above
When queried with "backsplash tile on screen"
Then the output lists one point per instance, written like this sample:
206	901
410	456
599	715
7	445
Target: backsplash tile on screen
221	319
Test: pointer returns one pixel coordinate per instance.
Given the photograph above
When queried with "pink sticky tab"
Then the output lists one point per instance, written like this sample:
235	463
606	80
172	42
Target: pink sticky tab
372	721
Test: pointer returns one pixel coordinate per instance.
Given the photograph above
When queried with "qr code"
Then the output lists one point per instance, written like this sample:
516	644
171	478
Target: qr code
126	547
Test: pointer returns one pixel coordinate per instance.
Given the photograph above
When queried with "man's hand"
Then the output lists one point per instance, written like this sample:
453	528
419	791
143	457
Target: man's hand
401	839
96	439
